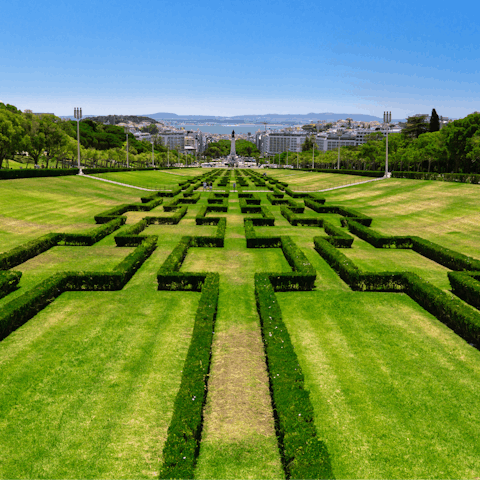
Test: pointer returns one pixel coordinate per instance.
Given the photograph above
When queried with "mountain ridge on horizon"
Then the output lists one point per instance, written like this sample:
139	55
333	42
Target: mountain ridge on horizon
359	117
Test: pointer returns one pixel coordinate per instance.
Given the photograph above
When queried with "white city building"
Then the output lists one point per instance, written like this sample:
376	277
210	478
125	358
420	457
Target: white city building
271	143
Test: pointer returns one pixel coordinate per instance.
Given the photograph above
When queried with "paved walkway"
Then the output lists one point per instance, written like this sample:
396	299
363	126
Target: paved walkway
118	183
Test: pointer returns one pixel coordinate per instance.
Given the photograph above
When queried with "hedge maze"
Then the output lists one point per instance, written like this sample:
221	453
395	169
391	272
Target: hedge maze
303	451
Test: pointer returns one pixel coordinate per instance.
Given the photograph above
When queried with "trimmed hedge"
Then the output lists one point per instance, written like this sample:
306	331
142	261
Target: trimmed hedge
345	212
303	276
362	173
303	454
21	254
9	282
93	236
466	285
184	433
180	212
216	241
449	310
21	309
246	208
443	177
444	256
258	242
376	239
129	237
296	220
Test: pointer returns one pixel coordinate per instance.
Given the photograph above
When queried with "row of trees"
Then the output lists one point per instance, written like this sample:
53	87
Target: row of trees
49	141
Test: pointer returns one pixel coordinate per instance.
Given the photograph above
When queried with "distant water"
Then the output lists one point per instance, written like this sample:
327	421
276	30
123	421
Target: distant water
228	129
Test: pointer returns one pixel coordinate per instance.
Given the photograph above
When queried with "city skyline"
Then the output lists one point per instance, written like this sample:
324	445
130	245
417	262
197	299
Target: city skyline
228	60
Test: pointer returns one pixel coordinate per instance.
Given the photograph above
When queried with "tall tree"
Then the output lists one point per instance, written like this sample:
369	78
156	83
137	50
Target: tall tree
434	122
415	126
11	133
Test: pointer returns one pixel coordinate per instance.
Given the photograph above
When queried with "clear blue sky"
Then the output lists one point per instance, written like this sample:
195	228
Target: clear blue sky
234	58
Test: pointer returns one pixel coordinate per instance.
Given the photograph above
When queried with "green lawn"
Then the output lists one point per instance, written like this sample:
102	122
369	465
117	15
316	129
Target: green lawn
87	386
161	179
30	208
443	212
299	180
395	392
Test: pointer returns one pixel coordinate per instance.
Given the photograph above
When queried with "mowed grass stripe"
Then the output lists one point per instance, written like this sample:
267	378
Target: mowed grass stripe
238	438
30	208
87	386
395	392
446	213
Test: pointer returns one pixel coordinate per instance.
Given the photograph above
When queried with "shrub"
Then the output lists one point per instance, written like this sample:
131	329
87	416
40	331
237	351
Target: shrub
303	454
376	239
93	236
8	282
466	285
31	249
21	309
184	433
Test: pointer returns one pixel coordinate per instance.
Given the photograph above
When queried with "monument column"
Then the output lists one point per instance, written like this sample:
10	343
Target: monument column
232	146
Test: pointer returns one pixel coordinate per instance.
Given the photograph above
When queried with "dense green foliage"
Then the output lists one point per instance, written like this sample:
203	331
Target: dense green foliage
222	148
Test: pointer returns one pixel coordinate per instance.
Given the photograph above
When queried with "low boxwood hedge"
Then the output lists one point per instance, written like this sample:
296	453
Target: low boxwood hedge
466	285
23	308
462	319
8	282
31	249
182	446
303	454
93	236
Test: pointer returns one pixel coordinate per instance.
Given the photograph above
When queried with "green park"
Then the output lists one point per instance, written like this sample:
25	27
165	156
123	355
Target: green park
278	324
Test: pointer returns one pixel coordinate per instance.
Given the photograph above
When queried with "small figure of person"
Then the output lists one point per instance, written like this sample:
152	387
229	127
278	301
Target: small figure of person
234	185
204	186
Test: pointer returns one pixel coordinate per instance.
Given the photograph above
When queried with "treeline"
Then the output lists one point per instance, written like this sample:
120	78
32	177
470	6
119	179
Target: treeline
48	141
453	149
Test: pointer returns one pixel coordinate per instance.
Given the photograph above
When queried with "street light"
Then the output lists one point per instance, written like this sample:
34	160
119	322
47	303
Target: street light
339	135
77	113
387	118
313	155
126	131
153	156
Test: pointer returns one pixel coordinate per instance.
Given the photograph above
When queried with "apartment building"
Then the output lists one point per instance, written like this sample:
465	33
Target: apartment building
330	141
271	143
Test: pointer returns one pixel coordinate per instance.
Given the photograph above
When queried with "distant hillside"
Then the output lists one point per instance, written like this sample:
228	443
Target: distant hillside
274	117
116	119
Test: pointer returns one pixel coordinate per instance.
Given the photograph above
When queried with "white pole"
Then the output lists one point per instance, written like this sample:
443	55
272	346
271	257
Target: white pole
387	118
77	113
313	156
153	157
168	156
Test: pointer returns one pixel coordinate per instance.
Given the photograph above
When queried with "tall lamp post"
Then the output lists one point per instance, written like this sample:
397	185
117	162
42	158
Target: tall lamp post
153	155
313	154
126	131
387	118
339	134
77	113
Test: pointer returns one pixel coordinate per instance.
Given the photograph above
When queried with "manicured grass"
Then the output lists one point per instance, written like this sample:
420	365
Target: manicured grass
30	208
311	181
87	386
395	392
443	212
160	179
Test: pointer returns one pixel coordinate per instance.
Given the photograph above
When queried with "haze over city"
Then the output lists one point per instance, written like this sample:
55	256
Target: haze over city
221	58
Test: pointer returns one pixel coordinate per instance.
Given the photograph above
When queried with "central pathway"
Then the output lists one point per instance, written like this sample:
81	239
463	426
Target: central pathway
238	438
